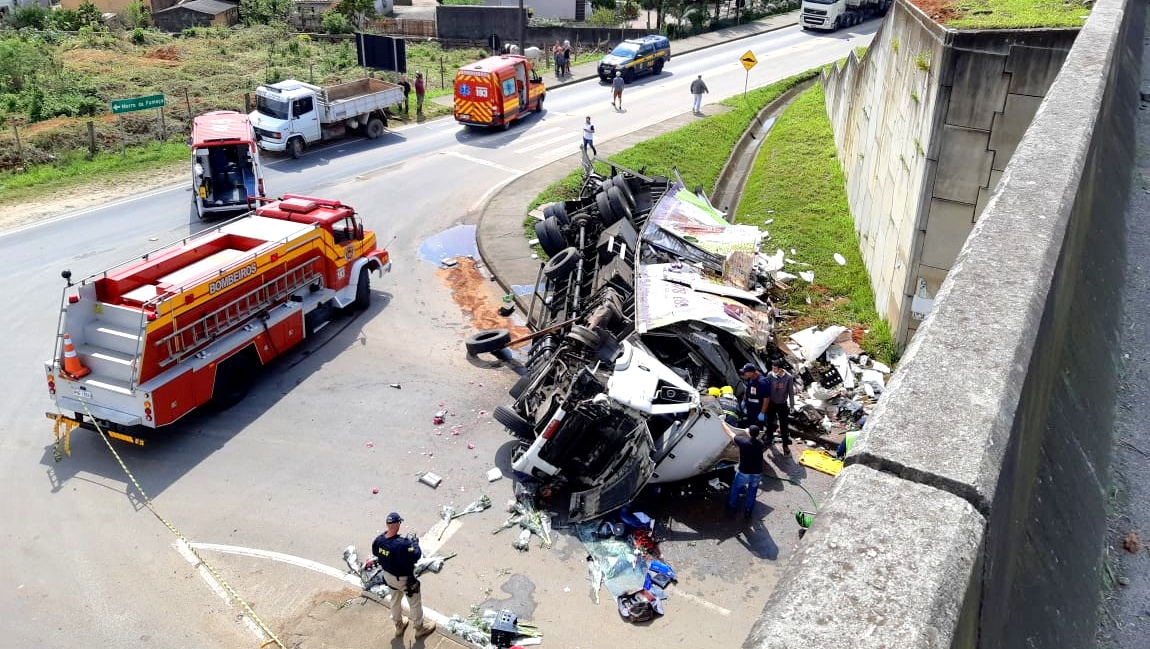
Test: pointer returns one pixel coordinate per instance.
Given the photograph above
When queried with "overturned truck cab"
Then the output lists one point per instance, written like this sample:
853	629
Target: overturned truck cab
637	317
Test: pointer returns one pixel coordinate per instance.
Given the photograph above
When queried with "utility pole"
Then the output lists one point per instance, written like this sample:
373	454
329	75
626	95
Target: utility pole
522	28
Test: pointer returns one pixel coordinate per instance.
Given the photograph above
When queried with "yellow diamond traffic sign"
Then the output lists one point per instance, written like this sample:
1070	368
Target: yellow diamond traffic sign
748	60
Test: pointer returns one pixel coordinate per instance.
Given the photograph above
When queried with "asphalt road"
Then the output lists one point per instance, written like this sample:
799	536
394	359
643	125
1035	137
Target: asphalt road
291	469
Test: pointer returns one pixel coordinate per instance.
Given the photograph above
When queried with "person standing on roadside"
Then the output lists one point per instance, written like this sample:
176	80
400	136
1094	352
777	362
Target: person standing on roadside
754	395
397	556
589	136
567	58
406	85
420	90
698	87
557	54
617	90
780	401
750	471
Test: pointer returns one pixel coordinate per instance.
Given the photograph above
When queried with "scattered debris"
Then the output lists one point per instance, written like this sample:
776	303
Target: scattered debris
450	262
840	260
396	386
431	564
494	474
430	479
375	490
1131	543
438	419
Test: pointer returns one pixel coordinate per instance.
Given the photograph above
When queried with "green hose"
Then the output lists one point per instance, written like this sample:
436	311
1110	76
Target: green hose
804	519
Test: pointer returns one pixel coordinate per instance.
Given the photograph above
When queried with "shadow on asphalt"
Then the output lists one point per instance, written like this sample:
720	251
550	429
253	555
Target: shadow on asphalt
175	450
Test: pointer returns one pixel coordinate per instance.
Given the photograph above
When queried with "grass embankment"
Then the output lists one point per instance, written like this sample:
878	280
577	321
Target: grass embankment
1008	14
797	181
697	150
76	169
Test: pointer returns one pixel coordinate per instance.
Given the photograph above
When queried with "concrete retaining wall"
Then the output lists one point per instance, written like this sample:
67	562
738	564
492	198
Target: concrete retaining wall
972	510
925	123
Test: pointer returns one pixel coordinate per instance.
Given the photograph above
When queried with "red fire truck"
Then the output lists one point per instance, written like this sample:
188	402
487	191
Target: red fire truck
142	344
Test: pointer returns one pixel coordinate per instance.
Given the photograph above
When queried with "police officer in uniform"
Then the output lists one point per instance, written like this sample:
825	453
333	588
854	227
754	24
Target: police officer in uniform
754	395
397	556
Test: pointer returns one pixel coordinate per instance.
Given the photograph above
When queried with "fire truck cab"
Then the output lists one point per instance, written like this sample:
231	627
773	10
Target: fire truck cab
142	344
497	91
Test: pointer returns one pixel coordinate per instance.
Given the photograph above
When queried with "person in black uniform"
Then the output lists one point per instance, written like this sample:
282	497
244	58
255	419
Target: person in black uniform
397	556
754	395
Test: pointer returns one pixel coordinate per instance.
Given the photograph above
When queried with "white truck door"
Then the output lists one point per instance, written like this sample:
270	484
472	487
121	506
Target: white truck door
305	118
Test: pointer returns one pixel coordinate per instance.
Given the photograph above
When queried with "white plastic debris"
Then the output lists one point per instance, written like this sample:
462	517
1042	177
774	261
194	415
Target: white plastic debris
814	342
881	367
838	358
840	260
807	276
784	275
494	474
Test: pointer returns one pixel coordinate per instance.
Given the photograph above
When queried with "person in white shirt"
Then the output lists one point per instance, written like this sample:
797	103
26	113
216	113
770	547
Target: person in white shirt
589	136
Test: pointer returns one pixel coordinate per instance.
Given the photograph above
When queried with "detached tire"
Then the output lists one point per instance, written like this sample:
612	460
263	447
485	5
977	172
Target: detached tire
374	128
550	236
491	340
511	420
561	265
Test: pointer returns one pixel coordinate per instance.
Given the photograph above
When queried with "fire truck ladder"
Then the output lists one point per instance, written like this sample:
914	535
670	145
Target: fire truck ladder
189	339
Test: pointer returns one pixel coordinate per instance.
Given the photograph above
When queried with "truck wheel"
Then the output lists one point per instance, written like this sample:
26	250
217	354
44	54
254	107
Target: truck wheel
561	265
618	203
374	128
511	420
295	147
607	215
363	290
624	189
520	386
490	340
658	67
233	379
539	104
550	236
559	211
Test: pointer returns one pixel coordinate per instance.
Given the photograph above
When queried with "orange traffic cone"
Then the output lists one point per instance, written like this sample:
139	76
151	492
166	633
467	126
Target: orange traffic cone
72	365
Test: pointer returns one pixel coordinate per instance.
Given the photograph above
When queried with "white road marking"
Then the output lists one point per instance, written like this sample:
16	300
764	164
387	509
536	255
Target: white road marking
701	602
486	163
437	617
538	145
537	133
282	558
214	585
72	215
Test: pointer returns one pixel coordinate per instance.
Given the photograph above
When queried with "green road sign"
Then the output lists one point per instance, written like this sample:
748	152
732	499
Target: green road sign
137	103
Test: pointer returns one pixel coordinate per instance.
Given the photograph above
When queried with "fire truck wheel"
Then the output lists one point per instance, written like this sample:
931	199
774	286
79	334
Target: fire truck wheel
539	104
585	335
550	235
618	203
606	214
374	128
561	265
518	426
490	340
559	211
363	290
233	379
295	147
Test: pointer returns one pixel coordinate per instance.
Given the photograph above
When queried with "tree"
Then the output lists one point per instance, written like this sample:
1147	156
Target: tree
89	15
33	15
20	59
333	22
263	12
357	11
137	14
